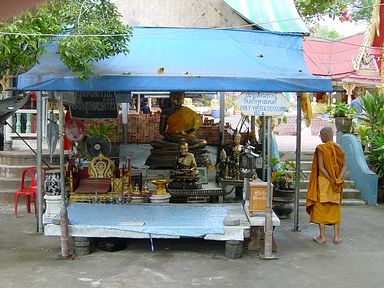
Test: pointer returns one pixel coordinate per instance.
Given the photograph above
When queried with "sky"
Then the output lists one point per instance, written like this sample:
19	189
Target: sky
344	28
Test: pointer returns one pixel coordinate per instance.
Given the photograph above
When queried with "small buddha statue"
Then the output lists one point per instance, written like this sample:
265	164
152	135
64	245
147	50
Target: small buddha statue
237	149
222	166
145	188
185	174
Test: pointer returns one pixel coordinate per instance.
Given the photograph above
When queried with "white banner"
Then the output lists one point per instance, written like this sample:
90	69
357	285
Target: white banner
262	103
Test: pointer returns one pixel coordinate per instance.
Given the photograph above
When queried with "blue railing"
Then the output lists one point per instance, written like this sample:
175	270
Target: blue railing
366	181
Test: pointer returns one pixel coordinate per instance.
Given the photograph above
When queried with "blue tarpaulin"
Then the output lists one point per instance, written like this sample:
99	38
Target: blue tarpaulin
189	59
175	220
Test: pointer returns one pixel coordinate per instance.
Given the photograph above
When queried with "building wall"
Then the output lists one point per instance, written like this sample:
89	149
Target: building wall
179	13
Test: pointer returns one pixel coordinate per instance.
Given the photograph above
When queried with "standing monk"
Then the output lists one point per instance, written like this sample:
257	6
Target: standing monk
325	190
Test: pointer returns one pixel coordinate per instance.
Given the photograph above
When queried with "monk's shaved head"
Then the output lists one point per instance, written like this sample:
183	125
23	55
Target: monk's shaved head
327	133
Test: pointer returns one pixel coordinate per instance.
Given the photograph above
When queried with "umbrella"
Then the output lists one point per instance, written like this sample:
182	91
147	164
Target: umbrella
8	106
52	137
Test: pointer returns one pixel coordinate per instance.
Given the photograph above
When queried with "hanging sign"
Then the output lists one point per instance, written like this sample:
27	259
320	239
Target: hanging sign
94	105
262	103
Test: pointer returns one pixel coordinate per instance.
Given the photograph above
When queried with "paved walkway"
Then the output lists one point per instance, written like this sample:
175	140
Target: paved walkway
288	143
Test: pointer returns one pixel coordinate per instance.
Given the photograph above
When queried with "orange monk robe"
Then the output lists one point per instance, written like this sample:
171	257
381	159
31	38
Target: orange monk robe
323	198
181	122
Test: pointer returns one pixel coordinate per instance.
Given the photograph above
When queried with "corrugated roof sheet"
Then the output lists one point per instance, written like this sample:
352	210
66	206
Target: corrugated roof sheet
270	15
332	58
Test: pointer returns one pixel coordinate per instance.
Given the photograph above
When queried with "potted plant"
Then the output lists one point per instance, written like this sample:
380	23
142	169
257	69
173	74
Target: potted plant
283	179
343	114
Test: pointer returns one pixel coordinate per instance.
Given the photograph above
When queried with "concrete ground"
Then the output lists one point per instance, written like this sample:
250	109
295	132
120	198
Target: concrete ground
29	259
288	143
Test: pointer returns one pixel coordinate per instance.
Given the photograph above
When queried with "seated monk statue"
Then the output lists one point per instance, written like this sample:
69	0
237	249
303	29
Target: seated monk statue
179	123
185	174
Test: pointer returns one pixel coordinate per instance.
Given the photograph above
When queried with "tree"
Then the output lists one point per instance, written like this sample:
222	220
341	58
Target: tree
345	10
85	31
324	33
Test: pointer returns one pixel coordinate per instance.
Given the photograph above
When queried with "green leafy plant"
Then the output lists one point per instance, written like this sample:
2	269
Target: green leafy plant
102	129
95	17
341	109
284	174
92	30
371	131
318	9
373	116
375	155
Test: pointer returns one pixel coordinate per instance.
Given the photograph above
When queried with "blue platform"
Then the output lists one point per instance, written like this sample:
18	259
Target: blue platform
176	220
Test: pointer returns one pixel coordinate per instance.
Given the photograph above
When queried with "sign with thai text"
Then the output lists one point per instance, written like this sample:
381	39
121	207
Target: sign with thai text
94	105
262	103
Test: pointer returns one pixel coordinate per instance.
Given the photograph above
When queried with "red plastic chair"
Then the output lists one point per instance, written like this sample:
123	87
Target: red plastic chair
28	188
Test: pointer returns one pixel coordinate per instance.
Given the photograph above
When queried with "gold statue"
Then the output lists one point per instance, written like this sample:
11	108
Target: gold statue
185	175
229	166
237	149
179	123
222	166
185	163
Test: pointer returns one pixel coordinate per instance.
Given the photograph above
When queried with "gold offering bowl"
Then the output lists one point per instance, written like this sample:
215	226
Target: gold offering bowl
160	185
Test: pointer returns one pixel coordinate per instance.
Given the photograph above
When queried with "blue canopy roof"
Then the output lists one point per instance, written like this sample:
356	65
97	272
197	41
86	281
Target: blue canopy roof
188	59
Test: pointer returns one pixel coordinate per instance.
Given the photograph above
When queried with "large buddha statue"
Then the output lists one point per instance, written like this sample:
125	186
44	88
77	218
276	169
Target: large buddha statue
177	124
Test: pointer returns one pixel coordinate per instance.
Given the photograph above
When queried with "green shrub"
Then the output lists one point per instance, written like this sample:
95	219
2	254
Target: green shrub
341	109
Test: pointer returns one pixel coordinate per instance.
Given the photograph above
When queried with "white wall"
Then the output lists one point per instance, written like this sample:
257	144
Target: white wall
179	13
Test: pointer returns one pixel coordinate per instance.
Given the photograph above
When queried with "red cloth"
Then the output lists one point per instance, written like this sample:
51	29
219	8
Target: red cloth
67	142
93	185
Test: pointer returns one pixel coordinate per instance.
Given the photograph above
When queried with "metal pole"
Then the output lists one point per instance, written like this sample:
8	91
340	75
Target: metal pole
298	168
221	127
124	116
245	190
63	211
268	225
39	158
138	103
221	124
264	147
253	129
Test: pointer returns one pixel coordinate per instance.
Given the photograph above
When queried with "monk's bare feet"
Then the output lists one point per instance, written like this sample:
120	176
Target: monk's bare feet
337	241
318	240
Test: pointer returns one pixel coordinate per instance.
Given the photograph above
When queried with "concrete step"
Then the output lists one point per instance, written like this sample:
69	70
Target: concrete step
11	171
347	183
348	193
306	165
307	174
15	171
19	145
345	202
26	158
10	183
304	156
7	196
